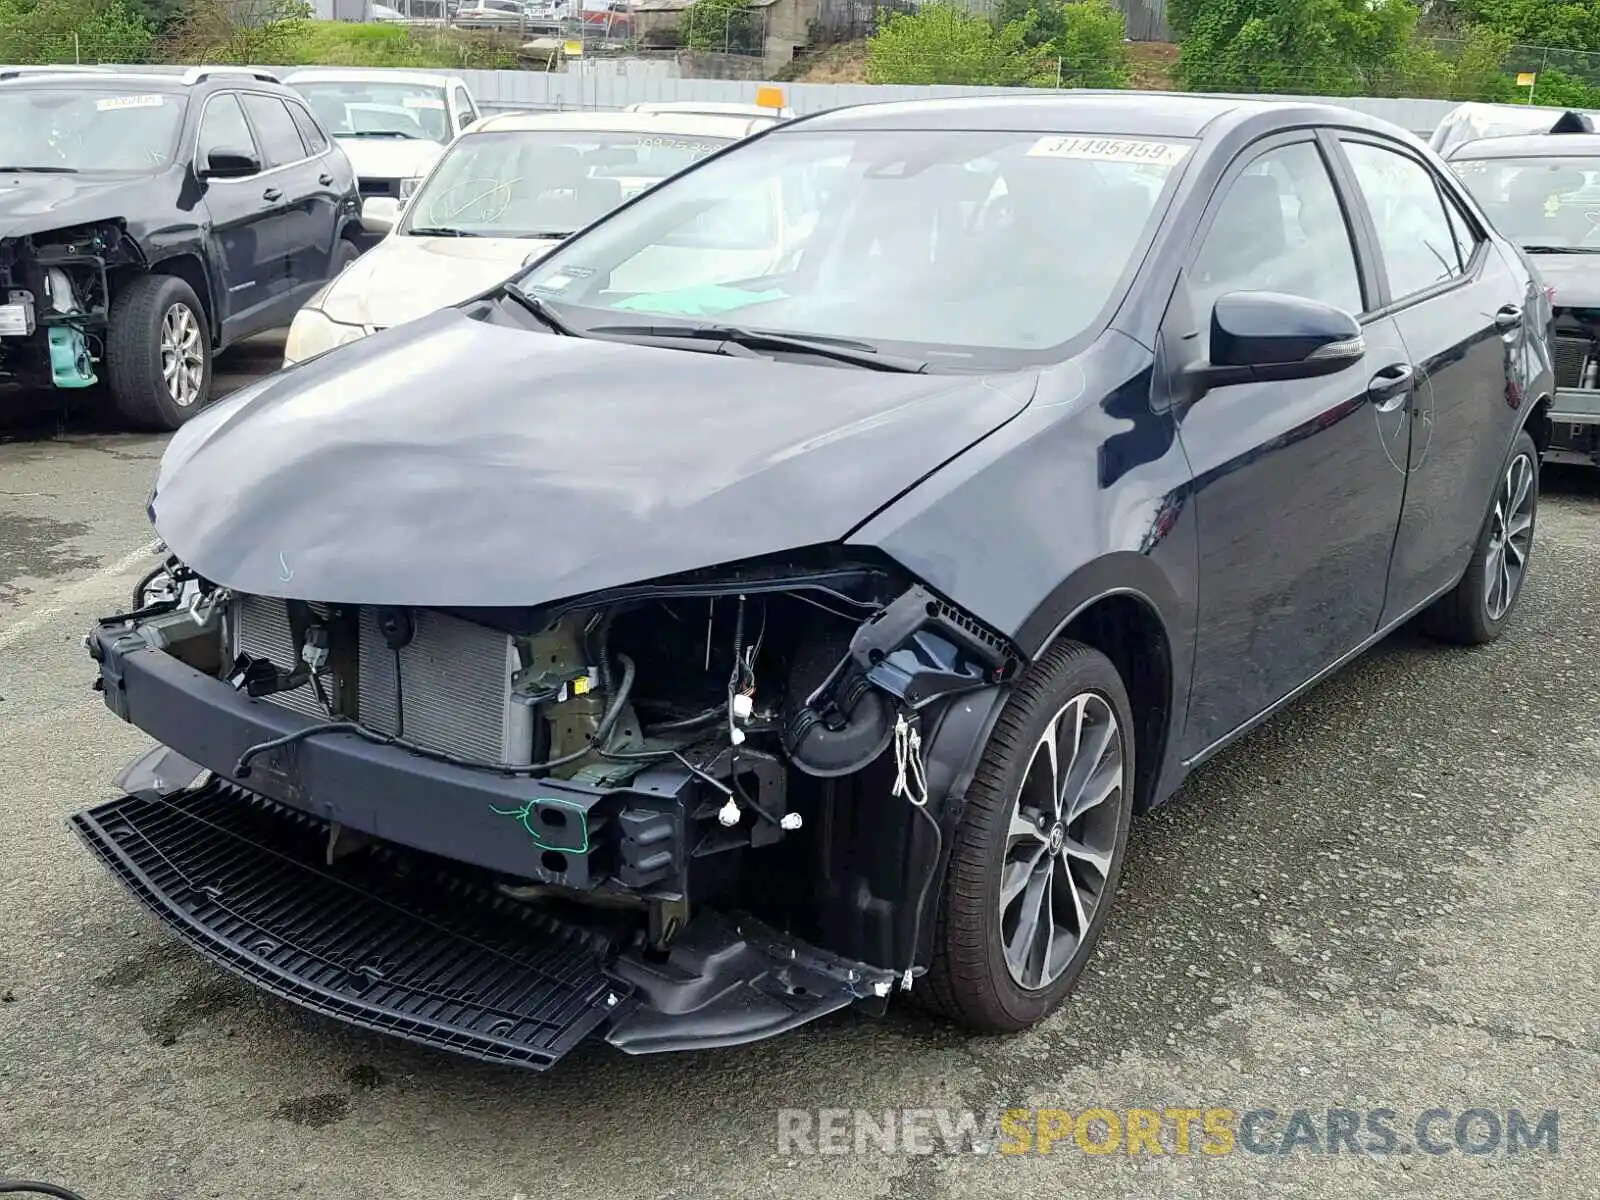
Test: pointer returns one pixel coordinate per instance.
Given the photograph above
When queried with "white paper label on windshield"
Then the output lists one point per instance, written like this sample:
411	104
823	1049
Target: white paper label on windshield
111	103
421	102
1104	149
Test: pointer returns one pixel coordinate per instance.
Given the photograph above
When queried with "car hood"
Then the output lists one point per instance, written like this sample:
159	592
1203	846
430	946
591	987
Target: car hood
390	158
451	462
403	277
32	203
1574	277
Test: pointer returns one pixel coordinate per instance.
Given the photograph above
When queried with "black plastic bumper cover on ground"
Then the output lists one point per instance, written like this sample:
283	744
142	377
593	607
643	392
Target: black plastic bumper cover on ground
428	957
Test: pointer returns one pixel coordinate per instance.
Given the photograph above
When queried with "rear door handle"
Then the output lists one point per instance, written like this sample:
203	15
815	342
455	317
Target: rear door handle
324	179
1389	388
1509	317
272	194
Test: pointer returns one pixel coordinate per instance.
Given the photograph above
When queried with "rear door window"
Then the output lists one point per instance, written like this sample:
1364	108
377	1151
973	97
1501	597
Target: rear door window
1419	247
280	139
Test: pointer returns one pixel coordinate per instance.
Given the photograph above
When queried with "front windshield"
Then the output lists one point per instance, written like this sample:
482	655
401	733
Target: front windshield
1538	201
379	110
84	130
544	183
963	249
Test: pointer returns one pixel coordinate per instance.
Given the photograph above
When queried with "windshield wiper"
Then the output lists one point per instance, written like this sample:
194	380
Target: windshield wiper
1536	249
539	309
439	231
375	133
858	354
39	170
558	234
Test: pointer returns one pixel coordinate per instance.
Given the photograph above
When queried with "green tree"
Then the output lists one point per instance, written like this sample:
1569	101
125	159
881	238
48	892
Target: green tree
1327	47
1087	38
1091	45
244	32
945	43
64	31
1563	24
728	26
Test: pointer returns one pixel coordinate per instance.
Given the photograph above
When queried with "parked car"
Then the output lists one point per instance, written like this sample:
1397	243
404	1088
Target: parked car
1542	191
392	124
674	649
503	193
1474	120
715	108
150	220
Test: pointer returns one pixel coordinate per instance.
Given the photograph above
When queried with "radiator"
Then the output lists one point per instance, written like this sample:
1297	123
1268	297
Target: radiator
454	679
1569	353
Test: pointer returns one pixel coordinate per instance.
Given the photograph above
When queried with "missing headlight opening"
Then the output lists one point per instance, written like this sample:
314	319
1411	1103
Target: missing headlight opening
769	748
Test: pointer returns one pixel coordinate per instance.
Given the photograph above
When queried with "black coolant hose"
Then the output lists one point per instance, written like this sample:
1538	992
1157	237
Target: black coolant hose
33	1187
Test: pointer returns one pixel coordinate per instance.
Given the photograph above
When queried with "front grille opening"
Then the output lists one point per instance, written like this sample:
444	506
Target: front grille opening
448	690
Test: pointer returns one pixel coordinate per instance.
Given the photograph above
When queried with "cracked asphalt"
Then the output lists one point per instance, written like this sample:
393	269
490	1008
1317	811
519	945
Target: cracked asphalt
1382	899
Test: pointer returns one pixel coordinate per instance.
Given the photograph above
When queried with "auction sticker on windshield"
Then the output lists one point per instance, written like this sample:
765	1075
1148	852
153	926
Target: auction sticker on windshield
111	103
1102	149
422	102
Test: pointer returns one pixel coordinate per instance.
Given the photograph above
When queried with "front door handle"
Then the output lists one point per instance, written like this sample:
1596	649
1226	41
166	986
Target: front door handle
324	179
1509	317
272	194
1389	388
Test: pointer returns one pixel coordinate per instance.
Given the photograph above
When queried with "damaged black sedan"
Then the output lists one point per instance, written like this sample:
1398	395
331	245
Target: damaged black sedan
783	594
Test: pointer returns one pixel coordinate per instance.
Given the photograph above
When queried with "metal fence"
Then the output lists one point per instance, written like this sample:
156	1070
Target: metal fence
616	83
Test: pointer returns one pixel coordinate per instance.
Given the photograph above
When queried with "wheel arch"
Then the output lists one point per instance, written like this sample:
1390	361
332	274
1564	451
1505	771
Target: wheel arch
1123	606
1537	422
187	266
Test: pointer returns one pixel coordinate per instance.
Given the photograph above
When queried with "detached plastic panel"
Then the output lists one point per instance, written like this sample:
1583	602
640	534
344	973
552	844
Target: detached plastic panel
427	955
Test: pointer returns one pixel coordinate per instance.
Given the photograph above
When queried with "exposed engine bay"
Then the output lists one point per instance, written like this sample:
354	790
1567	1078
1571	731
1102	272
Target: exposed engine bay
1575	415
777	747
55	297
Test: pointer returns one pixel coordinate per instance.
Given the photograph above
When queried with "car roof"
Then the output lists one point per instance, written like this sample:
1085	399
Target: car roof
1151	114
173	82
357	75
683	124
1529	145
714	108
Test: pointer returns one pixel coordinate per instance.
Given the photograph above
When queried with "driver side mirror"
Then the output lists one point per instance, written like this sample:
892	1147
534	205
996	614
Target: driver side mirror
1261	337
230	163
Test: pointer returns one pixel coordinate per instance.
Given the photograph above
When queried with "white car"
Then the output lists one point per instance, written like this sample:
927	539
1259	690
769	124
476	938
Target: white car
392	124
504	193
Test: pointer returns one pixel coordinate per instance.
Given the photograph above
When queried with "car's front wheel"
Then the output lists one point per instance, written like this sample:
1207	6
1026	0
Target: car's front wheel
158	350
1039	847
1479	607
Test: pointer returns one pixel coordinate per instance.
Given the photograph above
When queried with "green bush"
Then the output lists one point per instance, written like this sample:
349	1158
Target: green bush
63	31
945	43
722	26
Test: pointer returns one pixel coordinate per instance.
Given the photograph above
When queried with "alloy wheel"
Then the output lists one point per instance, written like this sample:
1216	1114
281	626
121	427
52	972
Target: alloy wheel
1510	537
1061	839
183	361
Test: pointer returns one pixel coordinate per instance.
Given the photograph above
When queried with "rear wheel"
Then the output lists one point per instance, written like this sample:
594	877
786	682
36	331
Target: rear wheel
1477	610
158	350
1040	845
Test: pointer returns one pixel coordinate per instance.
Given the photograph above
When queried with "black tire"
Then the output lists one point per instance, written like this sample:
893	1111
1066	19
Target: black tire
345	252
134	354
1466	615
969	980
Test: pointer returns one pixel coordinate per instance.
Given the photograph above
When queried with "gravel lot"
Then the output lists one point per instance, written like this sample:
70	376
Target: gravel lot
1382	899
